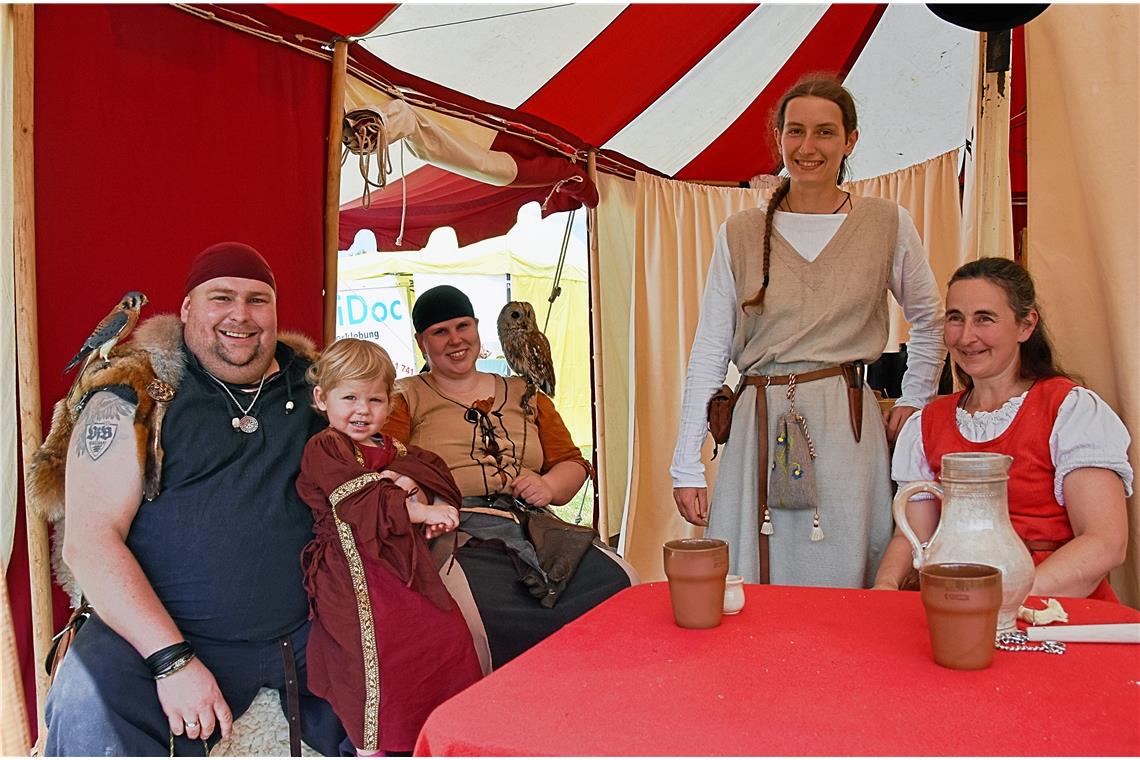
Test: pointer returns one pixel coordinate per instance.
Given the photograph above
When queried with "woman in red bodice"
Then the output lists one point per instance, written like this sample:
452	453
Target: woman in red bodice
1070	473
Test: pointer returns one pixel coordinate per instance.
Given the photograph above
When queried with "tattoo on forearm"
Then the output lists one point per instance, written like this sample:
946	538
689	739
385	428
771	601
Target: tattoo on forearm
99	424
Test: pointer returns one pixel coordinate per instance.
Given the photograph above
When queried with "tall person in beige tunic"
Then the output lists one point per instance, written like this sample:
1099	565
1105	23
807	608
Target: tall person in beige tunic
796	298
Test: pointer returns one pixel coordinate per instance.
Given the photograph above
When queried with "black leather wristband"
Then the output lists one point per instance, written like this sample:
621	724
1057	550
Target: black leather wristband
167	658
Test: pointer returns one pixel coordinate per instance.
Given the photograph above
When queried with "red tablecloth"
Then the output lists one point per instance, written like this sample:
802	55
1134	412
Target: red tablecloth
800	671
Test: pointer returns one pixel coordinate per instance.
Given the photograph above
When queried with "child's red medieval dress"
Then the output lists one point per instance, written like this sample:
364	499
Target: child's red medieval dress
388	643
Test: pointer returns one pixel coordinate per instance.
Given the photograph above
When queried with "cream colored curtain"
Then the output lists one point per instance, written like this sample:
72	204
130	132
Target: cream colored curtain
655	240
929	191
616	235
1082	87
676	225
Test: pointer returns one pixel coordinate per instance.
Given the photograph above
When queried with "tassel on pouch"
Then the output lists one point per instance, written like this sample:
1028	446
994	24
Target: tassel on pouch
816	531
766	528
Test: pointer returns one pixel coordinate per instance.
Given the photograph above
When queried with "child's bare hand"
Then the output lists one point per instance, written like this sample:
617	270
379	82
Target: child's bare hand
443	515
440	518
431	530
437	518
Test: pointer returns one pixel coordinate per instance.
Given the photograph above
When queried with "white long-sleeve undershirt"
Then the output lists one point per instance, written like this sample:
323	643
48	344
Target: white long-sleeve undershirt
911	281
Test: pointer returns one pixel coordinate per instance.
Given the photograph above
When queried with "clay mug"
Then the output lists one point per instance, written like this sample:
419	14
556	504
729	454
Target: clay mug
696	569
733	594
962	602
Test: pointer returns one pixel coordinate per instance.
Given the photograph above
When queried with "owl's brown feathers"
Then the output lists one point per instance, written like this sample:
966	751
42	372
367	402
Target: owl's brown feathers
525	347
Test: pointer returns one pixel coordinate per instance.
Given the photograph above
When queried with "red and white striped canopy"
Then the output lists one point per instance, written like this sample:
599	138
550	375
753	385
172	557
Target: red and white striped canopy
683	90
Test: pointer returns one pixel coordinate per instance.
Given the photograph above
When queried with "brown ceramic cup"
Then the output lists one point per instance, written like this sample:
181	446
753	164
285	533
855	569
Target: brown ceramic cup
962	602
696	568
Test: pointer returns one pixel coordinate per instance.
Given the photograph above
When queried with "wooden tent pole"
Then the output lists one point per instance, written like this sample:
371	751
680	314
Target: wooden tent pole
993	229
603	523
332	185
27	334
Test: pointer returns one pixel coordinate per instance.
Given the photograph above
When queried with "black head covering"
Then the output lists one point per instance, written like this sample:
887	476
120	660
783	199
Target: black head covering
439	304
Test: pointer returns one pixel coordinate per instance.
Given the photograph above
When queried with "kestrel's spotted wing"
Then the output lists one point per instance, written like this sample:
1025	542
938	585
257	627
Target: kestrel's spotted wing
110	330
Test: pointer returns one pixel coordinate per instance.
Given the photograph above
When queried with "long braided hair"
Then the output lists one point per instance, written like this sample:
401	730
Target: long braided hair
820	87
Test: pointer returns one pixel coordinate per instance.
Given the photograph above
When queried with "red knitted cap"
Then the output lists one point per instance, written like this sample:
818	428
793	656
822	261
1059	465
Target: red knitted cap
229	260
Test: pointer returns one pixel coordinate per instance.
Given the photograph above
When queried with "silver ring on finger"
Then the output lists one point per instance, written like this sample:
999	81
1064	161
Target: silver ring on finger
191	724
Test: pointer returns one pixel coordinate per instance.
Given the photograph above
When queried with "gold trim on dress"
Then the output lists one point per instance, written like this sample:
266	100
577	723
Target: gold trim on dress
347	489
364	612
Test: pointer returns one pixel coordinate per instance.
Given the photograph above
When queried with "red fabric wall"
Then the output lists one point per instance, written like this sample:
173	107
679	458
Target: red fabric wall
157	134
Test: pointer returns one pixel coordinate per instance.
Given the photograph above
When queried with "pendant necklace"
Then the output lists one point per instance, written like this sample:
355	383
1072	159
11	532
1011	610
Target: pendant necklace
247	423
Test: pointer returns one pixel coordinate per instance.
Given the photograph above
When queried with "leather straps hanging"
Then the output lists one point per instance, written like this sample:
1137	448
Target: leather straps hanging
292	697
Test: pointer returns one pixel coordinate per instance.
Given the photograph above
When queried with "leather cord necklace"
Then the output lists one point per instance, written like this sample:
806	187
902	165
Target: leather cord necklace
247	423
846	198
482	424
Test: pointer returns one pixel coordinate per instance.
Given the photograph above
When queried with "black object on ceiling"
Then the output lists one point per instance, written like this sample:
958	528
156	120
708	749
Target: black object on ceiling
986	17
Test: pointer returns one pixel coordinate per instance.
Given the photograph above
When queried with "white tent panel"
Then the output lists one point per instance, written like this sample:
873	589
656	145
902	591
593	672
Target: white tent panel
501	60
912	87
713	94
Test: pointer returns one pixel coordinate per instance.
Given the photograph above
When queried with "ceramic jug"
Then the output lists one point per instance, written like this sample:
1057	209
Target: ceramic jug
974	526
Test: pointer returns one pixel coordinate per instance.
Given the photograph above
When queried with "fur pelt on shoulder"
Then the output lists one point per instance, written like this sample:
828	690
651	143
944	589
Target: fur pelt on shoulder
152	363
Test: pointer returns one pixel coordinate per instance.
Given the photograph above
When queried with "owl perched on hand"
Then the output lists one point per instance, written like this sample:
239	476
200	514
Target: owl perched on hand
526	349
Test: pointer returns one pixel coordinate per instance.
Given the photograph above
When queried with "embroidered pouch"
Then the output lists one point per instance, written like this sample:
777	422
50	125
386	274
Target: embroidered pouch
791	483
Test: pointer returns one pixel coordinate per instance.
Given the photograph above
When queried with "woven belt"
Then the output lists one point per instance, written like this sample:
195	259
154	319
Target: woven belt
853	373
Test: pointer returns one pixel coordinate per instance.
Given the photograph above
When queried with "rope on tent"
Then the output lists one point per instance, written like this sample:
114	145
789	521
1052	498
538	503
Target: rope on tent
403	197
612	165
465	21
558	186
365	134
549	142
556	288
324	53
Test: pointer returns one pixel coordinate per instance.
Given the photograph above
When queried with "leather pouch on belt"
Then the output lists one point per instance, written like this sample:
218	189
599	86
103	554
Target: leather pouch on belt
720	413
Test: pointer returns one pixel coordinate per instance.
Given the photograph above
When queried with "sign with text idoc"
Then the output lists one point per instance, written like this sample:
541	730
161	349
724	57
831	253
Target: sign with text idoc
381	315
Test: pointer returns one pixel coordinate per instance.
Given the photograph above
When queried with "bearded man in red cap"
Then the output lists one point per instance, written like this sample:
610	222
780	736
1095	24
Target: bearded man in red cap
198	596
